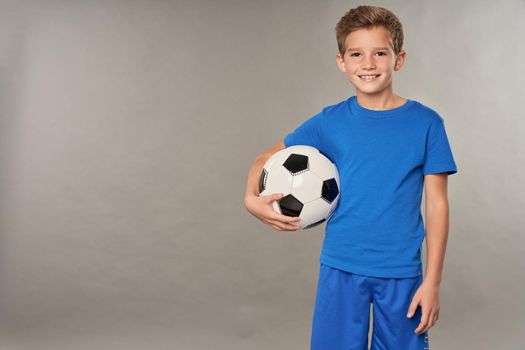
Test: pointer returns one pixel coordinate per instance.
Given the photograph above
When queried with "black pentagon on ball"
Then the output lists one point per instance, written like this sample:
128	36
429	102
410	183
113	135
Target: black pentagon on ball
262	180
315	224
296	163
330	190
290	205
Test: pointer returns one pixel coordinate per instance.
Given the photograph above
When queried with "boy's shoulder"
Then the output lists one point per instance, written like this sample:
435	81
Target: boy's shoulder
427	112
336	108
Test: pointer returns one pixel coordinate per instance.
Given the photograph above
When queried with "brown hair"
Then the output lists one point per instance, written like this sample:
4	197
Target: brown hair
366	17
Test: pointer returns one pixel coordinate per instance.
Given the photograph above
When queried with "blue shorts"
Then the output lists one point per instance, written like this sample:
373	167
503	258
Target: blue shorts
342	312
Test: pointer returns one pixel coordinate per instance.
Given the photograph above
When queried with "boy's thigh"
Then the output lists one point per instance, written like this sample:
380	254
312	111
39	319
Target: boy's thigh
342	311
392	329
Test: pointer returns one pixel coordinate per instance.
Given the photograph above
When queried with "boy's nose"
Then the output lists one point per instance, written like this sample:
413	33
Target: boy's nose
368	63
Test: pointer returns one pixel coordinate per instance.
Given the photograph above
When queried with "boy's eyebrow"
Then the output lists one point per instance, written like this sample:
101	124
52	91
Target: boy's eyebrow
377	48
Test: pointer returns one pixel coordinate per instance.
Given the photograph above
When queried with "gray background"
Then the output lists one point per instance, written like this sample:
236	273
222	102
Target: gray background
127	131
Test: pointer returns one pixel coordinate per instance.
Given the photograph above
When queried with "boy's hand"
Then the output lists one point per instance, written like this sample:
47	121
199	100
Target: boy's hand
427	295
261	208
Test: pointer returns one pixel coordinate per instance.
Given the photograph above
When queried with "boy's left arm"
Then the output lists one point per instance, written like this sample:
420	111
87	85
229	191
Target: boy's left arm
436	214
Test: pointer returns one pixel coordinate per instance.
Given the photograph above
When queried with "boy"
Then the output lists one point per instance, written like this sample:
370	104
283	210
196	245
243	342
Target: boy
385	148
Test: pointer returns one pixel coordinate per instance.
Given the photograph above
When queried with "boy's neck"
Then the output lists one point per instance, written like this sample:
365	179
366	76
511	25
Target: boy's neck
380	102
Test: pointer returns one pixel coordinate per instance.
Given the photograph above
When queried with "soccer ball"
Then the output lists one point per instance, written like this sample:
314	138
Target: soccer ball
308	180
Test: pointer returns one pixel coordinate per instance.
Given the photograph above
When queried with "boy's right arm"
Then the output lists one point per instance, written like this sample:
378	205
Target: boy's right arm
261	206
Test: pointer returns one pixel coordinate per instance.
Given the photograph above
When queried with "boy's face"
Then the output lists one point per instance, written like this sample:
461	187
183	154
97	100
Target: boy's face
369	60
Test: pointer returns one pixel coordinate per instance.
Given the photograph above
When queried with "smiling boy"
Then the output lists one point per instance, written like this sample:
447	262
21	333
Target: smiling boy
386	148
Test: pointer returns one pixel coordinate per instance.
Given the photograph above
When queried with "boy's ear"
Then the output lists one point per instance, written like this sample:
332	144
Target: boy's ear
340	62
400	59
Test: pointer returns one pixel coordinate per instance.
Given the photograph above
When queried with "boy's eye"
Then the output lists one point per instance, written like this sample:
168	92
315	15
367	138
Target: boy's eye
355	54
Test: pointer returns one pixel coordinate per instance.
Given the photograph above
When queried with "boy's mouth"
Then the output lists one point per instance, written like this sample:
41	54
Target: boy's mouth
369	77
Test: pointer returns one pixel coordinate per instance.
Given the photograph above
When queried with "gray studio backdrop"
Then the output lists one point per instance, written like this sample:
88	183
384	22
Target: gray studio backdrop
127	131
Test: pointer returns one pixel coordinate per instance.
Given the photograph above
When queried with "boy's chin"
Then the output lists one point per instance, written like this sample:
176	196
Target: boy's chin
364	87
370	92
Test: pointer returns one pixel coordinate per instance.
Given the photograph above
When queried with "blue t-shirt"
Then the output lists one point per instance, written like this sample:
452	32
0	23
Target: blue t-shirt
382	157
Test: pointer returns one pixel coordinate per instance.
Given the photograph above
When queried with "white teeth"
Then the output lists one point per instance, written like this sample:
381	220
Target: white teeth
368	77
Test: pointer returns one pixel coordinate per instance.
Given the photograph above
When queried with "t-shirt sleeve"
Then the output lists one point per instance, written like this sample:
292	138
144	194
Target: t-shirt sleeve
308	133
438	154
